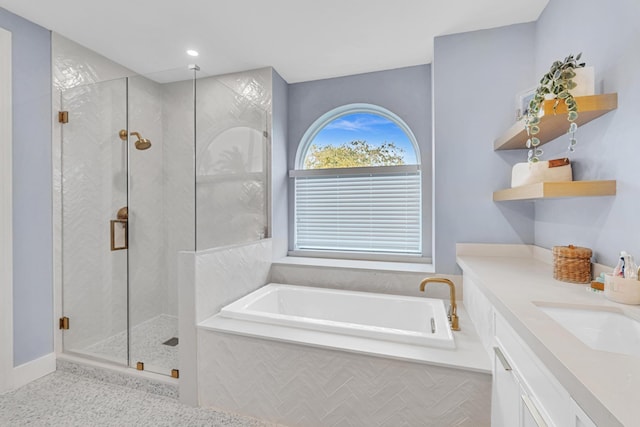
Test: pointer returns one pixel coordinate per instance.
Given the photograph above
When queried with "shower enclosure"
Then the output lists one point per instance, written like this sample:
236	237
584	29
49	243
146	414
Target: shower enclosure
151	166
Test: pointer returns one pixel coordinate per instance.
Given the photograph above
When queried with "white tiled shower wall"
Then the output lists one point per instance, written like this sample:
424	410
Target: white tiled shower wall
75	66
233	123
208	281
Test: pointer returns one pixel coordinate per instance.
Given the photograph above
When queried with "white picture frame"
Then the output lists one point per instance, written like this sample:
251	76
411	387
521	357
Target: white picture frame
522	102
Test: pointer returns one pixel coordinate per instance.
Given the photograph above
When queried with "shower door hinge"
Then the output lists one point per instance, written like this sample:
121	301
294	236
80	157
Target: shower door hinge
265	134
175	373
63	117
64	323
140	366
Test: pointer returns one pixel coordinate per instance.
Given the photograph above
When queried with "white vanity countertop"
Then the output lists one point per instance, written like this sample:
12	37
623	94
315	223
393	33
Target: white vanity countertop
606	385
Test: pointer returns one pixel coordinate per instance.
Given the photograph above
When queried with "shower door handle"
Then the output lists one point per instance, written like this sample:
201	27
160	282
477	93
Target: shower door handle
120	230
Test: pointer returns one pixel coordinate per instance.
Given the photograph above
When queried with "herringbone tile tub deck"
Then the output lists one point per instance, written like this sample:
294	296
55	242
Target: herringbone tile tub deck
312	387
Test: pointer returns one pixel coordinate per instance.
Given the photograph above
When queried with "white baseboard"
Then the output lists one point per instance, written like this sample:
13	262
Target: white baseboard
33	370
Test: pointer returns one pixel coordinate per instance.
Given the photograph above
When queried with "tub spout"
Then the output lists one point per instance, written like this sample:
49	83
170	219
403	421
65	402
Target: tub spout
453	308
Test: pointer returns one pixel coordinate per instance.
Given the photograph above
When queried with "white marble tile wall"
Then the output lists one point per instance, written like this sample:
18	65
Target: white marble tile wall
208	280
226	274
179	182
147	275
365	280
256	86
73	66
94	188
300	385
233	113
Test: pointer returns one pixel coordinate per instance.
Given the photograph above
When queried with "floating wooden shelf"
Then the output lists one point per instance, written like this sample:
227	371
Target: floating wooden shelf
545	190
552	125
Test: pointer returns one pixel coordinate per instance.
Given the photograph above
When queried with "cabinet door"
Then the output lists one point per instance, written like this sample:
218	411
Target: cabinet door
579	418
531	417
505	395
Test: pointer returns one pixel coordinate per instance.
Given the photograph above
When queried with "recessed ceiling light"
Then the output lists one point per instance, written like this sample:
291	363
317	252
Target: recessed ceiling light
192	52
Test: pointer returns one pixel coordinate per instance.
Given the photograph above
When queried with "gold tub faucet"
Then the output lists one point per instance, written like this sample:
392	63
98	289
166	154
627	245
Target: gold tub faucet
453	308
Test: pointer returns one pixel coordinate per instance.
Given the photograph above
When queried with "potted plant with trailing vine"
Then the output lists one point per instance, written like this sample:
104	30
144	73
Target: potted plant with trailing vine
556	84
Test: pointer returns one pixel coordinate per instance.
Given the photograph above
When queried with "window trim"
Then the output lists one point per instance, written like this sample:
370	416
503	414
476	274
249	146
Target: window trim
345	110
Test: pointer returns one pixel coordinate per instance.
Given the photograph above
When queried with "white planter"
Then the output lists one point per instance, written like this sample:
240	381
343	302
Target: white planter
586	83
586	80
532	173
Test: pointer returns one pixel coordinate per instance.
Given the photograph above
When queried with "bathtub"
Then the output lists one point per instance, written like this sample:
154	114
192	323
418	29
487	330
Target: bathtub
390	318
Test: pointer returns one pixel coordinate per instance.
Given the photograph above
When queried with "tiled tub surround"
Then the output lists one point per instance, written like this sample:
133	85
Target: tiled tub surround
208	280
309	386
307	377
516	280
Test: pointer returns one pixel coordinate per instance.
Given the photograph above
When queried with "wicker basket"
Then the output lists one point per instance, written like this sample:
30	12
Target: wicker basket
572	264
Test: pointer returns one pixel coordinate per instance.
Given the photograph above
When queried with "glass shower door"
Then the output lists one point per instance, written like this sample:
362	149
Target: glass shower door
94	220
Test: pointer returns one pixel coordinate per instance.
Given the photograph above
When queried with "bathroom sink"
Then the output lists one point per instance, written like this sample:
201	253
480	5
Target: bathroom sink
599	329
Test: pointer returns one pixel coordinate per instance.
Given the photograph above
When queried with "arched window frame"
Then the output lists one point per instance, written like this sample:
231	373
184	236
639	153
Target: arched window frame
300	172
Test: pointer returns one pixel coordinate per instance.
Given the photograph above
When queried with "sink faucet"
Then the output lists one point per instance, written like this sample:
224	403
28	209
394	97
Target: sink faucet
453	308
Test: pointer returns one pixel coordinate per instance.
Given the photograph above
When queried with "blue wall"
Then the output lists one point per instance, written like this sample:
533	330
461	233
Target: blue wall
608	148
32	211
475	78
404	91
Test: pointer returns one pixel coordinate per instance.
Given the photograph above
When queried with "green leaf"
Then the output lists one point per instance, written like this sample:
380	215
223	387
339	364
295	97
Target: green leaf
572	116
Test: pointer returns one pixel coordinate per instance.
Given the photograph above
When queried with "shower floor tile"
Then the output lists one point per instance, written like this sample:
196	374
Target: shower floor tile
65	399
147	346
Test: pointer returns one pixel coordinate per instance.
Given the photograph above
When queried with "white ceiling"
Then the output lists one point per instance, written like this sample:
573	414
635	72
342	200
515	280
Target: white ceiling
302	39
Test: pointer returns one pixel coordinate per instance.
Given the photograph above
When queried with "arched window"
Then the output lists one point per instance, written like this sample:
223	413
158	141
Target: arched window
358	185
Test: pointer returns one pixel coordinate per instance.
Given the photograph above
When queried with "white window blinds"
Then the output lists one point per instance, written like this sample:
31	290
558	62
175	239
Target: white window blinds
376	209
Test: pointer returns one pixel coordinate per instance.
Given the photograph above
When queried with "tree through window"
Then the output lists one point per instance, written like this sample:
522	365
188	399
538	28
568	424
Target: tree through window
359	140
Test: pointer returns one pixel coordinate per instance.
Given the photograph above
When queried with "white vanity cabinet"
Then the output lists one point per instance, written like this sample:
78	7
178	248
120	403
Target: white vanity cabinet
524	392
540	401
505	393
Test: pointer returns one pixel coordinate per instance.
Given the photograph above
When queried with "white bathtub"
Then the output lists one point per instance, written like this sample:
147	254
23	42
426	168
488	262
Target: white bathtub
401	319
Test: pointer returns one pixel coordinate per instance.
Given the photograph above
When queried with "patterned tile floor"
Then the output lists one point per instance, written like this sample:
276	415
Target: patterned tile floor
65	399
147	346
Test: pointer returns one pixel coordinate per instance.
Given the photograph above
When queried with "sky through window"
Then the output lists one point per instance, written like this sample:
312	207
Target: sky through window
369	127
